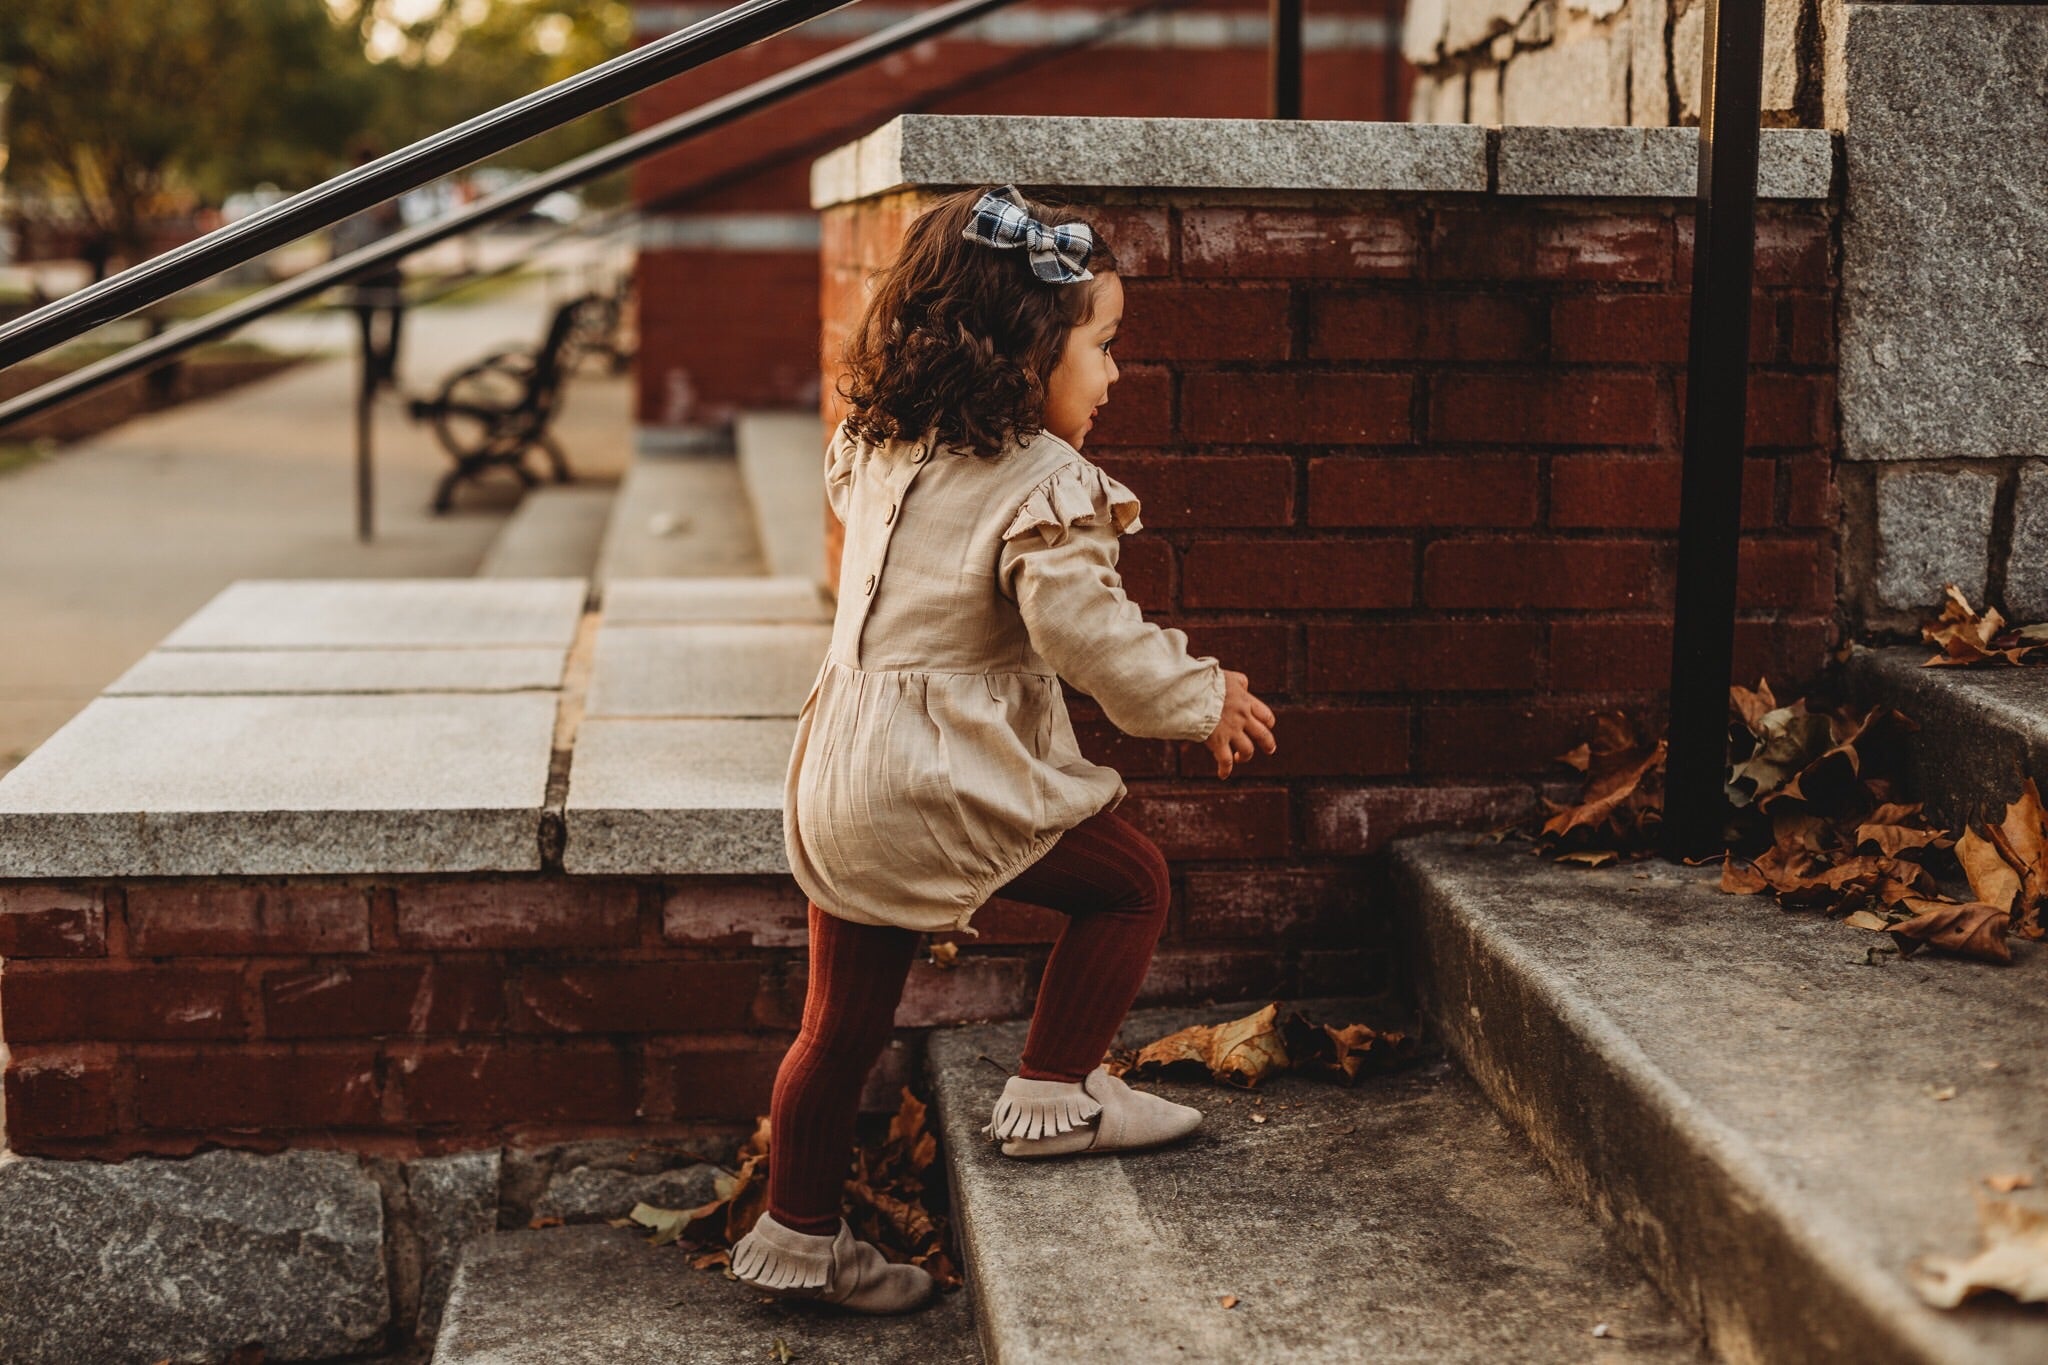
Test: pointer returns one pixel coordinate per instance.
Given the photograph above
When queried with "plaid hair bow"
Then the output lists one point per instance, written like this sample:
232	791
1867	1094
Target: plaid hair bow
1058	254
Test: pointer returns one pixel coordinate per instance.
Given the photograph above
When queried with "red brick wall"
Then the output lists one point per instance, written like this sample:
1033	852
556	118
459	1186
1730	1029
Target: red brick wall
739	329
1412	465
413	1015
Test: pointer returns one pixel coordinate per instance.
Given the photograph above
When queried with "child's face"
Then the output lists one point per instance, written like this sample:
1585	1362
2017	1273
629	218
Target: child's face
1080	380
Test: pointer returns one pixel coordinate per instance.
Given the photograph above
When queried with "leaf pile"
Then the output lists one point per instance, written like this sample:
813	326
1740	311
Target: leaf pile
1818	826
1966	638
886	1194
1244	1052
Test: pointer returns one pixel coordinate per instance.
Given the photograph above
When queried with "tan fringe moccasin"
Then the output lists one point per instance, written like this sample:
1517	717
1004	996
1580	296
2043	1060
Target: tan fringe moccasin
838	1269
1053	1118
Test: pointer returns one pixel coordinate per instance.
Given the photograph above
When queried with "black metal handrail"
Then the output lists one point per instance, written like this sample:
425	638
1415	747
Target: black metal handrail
409	167
389	250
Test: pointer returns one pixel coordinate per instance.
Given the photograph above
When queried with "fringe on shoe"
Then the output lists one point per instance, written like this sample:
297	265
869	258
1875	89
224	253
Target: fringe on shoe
1035	1109
770	1265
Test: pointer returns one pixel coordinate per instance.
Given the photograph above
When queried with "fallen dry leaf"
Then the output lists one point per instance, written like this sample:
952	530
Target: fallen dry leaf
2014	1259
1970	930
1965	638
2006	1184
1864	919
1228	1300
944	954
1237	1052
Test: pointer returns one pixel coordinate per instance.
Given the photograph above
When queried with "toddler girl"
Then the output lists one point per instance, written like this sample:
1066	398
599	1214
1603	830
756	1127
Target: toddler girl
934	765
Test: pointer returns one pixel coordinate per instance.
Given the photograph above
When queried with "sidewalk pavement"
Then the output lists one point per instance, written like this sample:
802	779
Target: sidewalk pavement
111	542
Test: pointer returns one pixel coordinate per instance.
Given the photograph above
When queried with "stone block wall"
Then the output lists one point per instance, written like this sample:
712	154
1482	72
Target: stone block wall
1411	463
1610	61
400	1017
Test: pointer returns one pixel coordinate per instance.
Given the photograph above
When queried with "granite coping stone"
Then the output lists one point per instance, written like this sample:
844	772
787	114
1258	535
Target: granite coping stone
597	1295
1264	154
347	613
1780	1123
188	672
747	669
1395	1220
224	785
672	796
1654	163
1152	153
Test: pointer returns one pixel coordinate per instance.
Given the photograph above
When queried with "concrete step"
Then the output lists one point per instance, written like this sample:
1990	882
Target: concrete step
555	532
598	1295
1982	730
782	462
1754	1107
681	516
1397	1220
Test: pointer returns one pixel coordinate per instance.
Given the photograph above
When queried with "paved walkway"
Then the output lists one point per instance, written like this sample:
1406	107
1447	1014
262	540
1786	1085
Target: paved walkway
110	543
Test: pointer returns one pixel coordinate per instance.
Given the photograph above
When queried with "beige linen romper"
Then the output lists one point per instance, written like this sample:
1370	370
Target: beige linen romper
934	759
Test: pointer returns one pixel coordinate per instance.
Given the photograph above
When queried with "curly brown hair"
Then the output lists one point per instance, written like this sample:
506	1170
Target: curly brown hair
958	338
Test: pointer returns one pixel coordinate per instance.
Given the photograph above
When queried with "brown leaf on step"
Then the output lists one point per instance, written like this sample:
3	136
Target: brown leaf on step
722	1256
1741	878
1787	741
1992	879
1228	1300
1965	638
944	954
2006	1184
1238	1052
2013	1260
1894	828
1590	857
2022	840
1969	930
1752	707
1864	919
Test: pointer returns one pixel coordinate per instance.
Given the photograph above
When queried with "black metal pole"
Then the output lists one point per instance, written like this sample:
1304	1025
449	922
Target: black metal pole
1716	420
1286	59
712	114
366	395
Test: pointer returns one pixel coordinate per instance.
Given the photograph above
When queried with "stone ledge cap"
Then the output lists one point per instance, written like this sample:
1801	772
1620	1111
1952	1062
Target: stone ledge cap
1152	153
1654	163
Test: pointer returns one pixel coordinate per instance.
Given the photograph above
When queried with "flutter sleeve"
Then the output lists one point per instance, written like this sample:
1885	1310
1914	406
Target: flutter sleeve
841	453
1058	564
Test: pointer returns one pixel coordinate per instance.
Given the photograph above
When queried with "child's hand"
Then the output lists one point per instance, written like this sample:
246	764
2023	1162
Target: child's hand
1246	722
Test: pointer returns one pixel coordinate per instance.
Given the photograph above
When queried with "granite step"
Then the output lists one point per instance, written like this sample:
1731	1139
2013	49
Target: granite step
555	532
597	1295
782	464
1983	731
1775	1123
1396	1220
681	516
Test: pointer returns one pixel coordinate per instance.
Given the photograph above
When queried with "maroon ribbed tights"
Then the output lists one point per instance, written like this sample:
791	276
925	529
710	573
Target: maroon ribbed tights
1103	874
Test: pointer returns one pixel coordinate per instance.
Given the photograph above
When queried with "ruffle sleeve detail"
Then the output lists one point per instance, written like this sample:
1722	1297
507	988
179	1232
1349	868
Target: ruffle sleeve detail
842	454
1077	494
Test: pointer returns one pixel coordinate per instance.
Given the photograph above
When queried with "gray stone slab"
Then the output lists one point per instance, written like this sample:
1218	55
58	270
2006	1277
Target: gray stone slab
596	1295
1152	153
1933	528
659	796
220	786
1983	731
1735	1087
454	1201
1652	163
2026	566
386	613
1944	340
585	1194
681	516
782	461
134	1262
555	532
680	601
186	672
749	669
1395	1221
